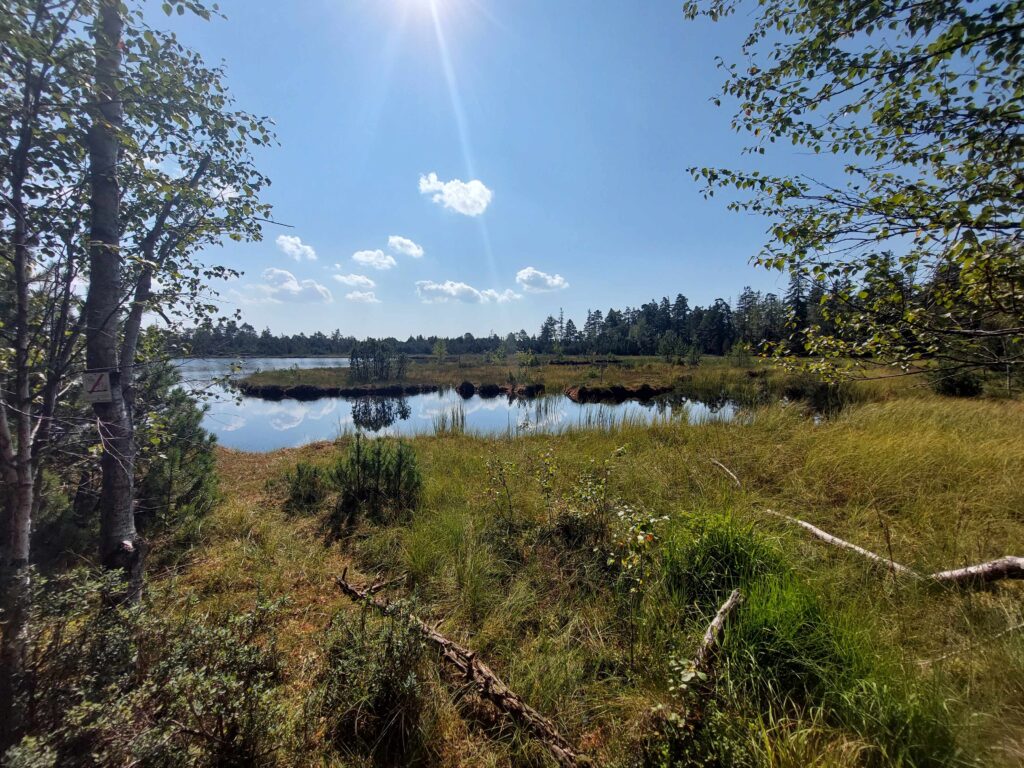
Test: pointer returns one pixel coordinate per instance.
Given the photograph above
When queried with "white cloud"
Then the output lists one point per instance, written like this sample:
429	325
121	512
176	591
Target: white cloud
450	290
365	297
470	198
294	247
405	246
280	285
534	281
356	281
376	259
502	297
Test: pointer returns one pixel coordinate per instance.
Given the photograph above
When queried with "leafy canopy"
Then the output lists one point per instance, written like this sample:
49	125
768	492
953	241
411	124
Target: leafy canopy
918	244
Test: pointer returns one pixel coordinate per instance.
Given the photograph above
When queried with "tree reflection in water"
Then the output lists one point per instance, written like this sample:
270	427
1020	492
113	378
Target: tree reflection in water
376	413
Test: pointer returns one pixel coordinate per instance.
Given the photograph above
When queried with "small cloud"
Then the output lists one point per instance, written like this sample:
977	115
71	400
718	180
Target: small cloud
376	259
470	198
534	281
356	281
405	246
364	297
502	297
280	285
294	247
450	290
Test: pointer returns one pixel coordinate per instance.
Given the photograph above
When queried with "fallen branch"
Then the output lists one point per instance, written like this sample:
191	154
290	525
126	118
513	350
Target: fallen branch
703	660
378	585
1008	567
835	541
488	685
727	471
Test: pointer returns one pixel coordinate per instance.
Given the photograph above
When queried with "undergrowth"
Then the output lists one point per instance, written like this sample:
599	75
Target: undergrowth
584	569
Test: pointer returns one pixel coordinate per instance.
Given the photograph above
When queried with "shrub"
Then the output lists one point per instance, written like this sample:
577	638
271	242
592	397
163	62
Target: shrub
955	383
376	480
307	488
370	693
111	687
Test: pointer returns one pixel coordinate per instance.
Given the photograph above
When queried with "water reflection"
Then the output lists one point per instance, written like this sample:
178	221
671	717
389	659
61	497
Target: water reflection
260	425
376	413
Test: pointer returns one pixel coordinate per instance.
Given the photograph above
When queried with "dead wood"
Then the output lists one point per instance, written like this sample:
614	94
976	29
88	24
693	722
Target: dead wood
1008	567
703	662
487	684
727	471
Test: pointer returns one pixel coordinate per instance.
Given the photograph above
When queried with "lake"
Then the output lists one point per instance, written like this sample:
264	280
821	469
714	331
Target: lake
253	424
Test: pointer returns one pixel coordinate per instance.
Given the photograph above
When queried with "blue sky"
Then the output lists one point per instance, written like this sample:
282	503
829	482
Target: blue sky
569	123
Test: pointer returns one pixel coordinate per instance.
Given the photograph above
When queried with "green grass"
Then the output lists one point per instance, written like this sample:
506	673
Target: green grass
823	663
754	383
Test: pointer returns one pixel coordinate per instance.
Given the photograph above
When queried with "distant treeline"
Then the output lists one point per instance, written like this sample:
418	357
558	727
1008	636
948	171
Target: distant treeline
666	327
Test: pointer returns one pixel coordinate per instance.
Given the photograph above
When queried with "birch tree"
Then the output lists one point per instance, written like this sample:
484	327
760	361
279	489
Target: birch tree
119	164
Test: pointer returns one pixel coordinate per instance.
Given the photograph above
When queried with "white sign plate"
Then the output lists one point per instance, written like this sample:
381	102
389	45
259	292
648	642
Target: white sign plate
96	387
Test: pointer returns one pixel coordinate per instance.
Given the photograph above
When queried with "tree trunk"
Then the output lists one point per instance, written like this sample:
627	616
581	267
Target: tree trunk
121	548
18	472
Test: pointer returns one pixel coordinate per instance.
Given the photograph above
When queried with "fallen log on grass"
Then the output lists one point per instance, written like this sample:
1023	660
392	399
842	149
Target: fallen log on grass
835	541
488	685
1008	567
703	661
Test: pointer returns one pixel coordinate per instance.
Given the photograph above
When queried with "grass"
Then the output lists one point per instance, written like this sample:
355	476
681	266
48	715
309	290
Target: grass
823	664
754	383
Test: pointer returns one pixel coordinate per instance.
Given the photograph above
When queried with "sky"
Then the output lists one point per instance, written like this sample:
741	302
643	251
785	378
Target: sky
447	166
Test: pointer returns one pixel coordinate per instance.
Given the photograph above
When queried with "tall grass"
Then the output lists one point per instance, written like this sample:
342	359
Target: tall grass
821	665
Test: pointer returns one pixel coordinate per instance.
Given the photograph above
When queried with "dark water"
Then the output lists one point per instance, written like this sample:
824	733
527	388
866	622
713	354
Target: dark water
253	424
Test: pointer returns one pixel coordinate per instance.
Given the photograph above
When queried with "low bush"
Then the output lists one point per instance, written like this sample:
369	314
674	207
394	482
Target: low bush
955	383
702	562
377	481
307	488
787	653
114	687
370	693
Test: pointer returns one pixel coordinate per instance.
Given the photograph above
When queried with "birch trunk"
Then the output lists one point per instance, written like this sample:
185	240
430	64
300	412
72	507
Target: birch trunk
121	548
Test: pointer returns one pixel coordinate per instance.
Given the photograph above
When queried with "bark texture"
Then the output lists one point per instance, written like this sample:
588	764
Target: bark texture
703	662
121	548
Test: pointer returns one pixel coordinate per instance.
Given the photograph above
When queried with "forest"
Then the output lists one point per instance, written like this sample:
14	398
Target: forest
777	531
669	328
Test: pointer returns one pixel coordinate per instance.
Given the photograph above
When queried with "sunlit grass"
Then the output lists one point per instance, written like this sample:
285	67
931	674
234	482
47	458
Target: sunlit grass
935	481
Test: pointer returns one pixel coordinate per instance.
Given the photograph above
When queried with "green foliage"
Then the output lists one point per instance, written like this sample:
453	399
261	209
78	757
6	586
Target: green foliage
177	481
916	253
376	479
308	487
110	687
376	360
703	561
582	519
786	650
370	694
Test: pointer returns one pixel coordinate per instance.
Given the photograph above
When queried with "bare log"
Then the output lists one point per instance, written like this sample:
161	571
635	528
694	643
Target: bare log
835	541
703	661
488	685
1008	567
